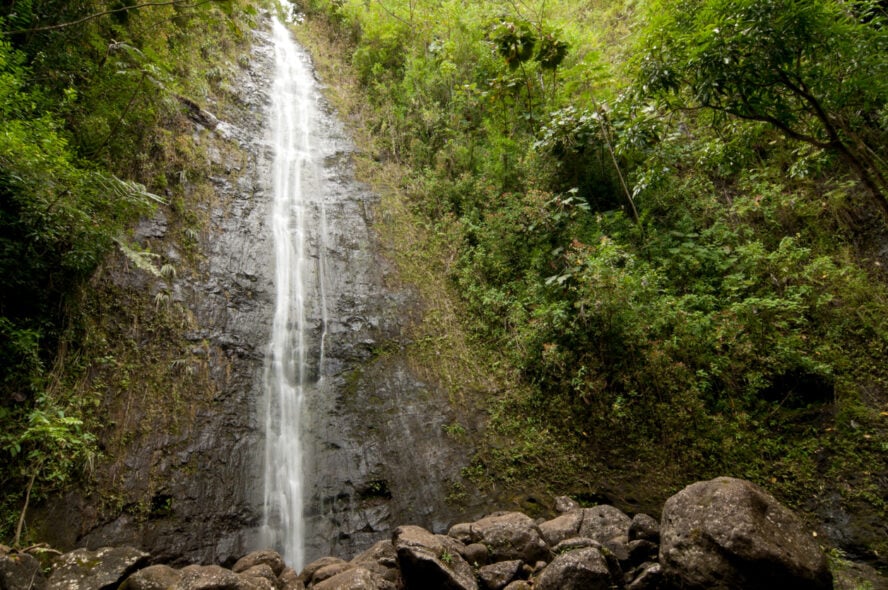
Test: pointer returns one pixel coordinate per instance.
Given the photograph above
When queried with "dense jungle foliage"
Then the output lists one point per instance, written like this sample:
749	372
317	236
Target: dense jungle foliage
92	96
669	216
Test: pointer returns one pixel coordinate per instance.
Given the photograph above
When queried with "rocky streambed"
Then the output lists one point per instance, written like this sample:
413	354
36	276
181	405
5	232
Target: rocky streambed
720	534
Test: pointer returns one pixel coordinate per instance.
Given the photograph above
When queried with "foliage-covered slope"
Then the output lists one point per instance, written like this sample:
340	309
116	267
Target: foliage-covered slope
93	95
670	221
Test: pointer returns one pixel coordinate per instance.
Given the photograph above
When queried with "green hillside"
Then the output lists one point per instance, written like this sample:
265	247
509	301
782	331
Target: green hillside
666	227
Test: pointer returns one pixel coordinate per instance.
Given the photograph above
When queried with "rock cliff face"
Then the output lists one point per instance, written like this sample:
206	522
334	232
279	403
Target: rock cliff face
187	484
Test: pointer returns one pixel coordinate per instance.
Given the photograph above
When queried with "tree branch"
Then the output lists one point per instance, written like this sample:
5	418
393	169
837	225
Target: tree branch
105	13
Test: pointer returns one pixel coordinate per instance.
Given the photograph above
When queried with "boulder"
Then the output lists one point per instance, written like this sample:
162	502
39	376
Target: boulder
560	528
83	569
729	533
605	524
356	578
431	561
644	527
582	569
464	532
382	553
268	557
380	559
290	580
260	571
20	571
476	554
153	577
519	585
209	577
497	575
510	535
308	572
329	571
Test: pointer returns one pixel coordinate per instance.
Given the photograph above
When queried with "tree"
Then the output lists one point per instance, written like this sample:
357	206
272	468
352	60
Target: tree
45	447
814	69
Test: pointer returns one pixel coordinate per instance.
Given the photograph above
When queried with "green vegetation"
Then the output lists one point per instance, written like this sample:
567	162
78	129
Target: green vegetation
663	224
92	119
666	218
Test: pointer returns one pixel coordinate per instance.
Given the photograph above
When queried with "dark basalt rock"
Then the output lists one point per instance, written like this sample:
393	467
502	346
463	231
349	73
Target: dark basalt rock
508	535
103	569
497	576
431	561
581	569
153	577
20	571
729	533
720	534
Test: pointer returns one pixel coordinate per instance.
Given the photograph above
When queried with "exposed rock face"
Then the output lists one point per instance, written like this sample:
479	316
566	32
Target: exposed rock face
191	487
729	533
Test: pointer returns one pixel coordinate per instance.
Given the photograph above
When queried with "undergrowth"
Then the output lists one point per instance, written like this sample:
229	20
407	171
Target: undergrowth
662	289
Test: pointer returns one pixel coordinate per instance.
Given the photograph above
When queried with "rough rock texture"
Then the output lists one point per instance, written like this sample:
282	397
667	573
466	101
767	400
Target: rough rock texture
649	577
329	571
498	575
431	561
308	572
729	533
605	524
259	572
93	570
208	577
354	579
507	535
380	559
20	571
582	569
153	577
476	554
267	557
644	527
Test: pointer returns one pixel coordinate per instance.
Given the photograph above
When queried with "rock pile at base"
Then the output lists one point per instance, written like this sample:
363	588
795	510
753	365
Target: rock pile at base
720	534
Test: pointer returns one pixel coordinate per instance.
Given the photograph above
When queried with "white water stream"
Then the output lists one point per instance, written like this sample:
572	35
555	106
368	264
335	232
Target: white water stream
294	349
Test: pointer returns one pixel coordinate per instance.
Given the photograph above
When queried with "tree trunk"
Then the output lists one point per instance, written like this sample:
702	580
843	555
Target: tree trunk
21	520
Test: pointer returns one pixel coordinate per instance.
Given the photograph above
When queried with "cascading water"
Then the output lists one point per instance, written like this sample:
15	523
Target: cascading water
294	361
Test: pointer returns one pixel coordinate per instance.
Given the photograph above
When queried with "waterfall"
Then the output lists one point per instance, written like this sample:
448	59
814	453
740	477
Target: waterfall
293	349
